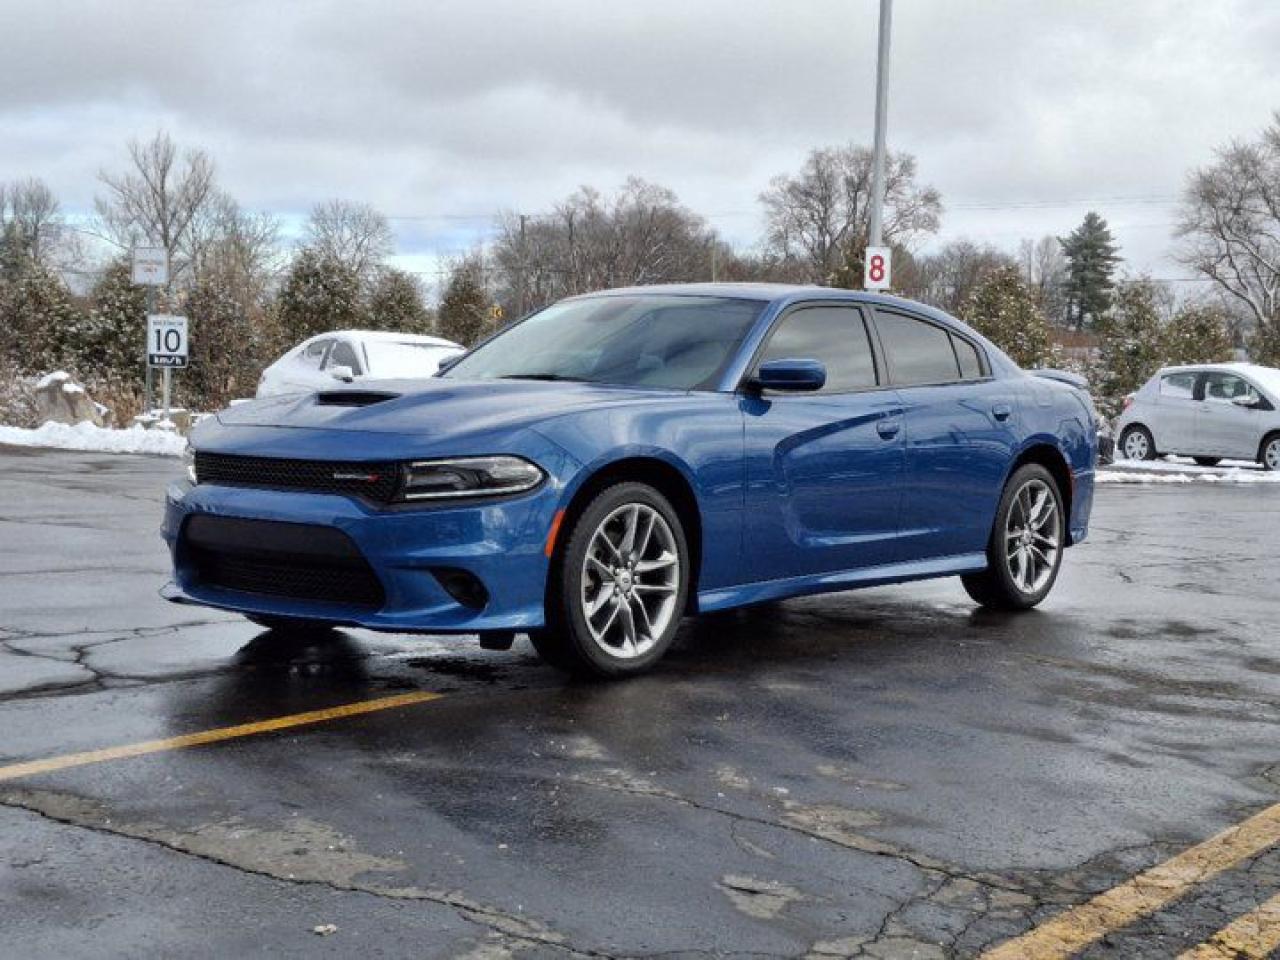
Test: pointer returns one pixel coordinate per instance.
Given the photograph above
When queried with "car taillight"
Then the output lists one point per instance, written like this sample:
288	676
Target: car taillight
1128	402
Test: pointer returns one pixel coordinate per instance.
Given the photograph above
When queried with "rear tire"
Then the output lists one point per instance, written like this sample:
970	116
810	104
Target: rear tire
1136	443
1207	461
1270	458
617	587
1024	553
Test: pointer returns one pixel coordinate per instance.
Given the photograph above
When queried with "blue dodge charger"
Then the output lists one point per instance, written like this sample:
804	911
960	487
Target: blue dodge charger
619	460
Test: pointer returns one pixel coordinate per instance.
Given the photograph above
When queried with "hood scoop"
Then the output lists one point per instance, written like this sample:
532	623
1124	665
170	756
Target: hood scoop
353	398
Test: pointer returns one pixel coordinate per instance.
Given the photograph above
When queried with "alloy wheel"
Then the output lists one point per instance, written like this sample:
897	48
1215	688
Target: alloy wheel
1136	446
1271	456
630	580
1033	536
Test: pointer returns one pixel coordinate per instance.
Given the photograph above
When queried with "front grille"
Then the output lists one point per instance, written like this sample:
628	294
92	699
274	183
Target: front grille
295	560
370	481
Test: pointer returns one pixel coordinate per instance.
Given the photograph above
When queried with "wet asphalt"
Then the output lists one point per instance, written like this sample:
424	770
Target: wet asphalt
889	773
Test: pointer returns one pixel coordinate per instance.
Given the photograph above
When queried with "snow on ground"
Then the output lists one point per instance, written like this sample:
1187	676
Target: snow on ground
1182	470
85	436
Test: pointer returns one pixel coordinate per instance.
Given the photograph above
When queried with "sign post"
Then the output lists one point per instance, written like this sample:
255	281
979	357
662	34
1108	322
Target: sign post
150	269
875	240
167	348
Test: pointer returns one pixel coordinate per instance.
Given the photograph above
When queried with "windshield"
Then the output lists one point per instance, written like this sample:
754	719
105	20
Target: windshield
394	360
680	343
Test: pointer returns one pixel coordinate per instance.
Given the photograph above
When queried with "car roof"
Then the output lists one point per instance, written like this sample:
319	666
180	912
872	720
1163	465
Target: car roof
1231	366
766	292
387	336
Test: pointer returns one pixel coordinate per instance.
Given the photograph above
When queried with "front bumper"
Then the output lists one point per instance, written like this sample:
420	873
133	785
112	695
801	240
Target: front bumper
501	543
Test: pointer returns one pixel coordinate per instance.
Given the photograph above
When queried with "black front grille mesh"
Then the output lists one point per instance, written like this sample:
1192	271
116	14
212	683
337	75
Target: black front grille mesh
371	481
299	561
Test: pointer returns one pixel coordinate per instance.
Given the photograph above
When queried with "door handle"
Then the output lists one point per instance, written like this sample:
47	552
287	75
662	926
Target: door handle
888	429
1002	411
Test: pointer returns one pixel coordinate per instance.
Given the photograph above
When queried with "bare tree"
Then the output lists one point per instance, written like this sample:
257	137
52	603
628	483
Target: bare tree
30	211
238	248
643	234
948	278
351	233
819	216
158	199
1044	269
1231	226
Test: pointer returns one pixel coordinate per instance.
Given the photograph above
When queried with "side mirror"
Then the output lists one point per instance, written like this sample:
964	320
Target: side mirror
343	373
792	376
448	362
1246	401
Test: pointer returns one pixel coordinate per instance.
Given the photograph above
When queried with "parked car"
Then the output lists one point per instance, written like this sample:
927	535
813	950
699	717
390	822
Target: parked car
350	355
1210	412
618	460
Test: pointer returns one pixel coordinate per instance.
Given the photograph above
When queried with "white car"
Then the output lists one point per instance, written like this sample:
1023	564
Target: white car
344	356
1212	412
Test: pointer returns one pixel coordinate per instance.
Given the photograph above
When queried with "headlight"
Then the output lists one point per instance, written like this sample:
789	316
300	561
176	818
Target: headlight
189	462
469	477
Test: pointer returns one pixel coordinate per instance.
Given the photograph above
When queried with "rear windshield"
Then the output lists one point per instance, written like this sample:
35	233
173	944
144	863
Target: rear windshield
652	340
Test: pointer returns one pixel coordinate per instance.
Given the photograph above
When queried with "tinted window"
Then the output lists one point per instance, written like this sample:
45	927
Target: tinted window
1180	385
343	355
918	352
836	336
651	340
970	362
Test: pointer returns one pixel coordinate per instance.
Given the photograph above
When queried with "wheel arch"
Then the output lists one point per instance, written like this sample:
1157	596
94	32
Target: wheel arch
1047	455
665	477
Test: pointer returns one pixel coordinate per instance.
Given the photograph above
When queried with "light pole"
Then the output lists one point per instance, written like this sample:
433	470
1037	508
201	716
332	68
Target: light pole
882	117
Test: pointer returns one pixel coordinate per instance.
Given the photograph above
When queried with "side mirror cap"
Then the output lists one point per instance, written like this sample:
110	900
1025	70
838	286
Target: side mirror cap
791	376
1245	401
343	373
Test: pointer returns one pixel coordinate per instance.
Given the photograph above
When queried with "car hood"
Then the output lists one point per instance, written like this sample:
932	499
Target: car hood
434	408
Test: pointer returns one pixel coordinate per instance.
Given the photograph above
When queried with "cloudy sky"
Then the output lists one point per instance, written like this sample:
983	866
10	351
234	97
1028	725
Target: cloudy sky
1024	114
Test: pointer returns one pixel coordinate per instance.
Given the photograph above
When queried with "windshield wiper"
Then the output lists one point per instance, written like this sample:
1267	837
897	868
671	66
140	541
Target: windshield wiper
544	376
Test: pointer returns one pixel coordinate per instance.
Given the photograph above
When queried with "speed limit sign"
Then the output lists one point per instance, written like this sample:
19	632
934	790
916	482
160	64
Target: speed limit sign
166	341
877	268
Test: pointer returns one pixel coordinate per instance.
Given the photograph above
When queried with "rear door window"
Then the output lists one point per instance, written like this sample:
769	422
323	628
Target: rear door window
918	352
970	361
343	355
835	336
1180	386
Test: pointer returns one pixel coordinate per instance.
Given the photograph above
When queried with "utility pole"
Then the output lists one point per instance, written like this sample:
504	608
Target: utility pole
882	117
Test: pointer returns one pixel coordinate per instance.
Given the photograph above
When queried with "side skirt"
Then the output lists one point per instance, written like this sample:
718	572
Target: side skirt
725	597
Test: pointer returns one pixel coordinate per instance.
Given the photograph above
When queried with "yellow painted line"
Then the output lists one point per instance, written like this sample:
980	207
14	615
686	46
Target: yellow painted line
33	767
1074	929
1251	937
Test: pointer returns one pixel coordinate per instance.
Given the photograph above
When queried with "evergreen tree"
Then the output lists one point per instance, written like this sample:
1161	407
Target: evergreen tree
1197	334
1264	347
1004	310
319	294
395	303
1131	348
38	321
465	307
113	341
1091	259
229	346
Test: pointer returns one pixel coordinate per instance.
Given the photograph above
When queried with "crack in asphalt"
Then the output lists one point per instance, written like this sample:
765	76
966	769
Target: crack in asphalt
74	812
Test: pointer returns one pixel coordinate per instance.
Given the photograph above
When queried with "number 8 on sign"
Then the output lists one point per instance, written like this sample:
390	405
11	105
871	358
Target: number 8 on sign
877	270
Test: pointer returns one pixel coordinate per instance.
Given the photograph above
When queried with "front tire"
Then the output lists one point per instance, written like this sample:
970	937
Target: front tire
1024	553
1137	443
618	586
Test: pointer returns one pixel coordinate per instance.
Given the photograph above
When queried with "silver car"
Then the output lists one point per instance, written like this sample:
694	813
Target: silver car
1210	412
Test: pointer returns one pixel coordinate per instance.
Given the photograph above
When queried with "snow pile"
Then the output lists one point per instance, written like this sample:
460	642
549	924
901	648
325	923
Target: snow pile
1178	470
85	436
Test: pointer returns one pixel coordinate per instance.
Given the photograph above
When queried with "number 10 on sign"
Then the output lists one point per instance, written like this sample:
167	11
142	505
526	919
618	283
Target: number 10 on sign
877	269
